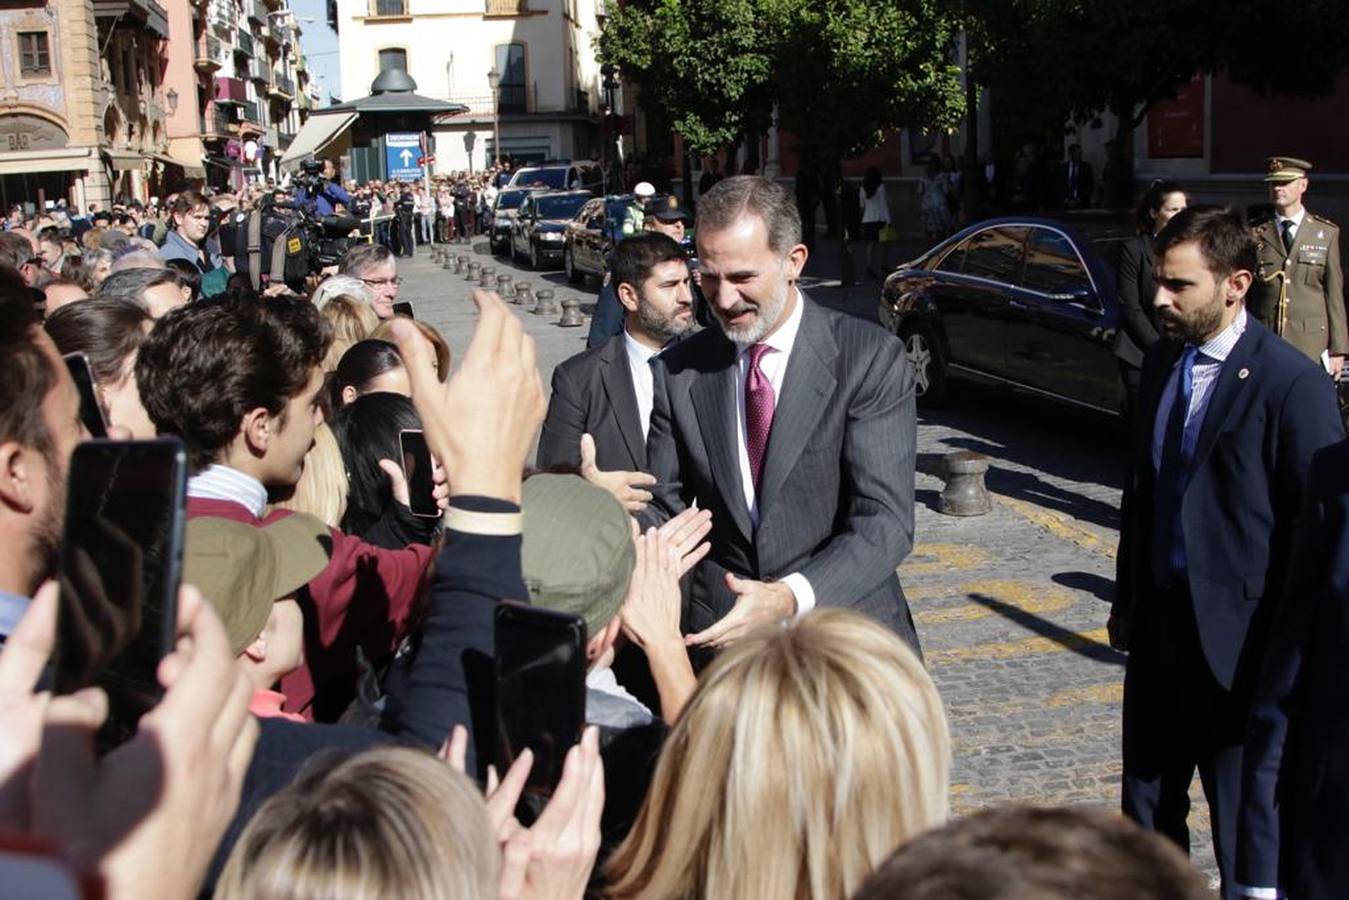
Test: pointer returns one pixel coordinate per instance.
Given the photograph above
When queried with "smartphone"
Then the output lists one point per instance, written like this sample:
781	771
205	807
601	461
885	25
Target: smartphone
91	411
540	689
119	568
403	308
417	470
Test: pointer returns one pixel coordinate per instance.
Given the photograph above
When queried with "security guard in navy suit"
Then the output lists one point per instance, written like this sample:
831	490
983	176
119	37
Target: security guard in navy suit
1228	419
1300	265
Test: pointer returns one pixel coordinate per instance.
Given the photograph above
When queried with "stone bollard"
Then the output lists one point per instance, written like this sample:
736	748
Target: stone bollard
504	289
448	264
471	272
522	295
436	253
571	313
489	278
544	304
460	263
965	493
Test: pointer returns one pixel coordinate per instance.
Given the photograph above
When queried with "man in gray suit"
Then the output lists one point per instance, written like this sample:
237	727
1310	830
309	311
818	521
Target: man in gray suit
793	424
606	392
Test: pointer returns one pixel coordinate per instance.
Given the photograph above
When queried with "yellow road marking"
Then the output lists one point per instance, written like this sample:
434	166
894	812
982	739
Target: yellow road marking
1060	525
1097	693
932	559
1024	595
1033	646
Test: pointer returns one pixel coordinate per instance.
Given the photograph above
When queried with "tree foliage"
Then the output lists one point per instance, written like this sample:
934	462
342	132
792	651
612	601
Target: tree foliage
841	73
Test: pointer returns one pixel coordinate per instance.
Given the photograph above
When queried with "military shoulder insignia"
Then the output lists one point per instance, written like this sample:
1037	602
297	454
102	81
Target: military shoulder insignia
1322	220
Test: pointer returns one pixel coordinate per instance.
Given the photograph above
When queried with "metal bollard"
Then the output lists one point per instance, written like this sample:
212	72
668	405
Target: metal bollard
489	278
571	313
471	273
460	263
544	304
523	297
965	493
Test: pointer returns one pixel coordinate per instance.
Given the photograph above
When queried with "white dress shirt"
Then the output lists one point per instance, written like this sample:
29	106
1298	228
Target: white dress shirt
217	482
643	385
1296	220
1208	364
774	367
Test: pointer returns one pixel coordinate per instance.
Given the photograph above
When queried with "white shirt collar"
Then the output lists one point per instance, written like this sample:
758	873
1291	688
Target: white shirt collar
784	337
639	353
1220	345
1296	220
12	608
217	482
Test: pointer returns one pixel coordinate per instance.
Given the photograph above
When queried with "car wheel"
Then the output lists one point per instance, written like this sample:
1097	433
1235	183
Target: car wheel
929	371
534	256
569	264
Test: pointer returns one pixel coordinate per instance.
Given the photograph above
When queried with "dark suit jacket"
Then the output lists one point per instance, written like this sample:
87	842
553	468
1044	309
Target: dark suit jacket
1295	797
1081	185
1137	329
1240	506
593	392
836	502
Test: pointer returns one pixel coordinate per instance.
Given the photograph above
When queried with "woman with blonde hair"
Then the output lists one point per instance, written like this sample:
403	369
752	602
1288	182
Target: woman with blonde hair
352	320
391	822
323	486
807	754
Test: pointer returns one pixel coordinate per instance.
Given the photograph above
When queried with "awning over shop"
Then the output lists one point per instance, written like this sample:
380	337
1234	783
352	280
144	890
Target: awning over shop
124	160
318	131
69	159
190	170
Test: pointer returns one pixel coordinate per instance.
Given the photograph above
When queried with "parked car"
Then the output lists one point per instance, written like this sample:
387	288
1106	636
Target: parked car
591	235
561	175
503	214
536	233
1025	302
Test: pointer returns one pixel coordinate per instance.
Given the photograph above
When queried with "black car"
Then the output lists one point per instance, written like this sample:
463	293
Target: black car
536	233
590	236
1024	302
503	214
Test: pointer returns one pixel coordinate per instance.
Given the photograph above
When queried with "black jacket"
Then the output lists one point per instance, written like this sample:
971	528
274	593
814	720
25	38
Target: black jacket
593	393
1137	330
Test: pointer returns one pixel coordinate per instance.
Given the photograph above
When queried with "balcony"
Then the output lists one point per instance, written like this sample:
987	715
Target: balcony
519	99
259	70
280	33
222	15
243	43
251	115
230	90
507	7
217	122
283	87
211	54
257	12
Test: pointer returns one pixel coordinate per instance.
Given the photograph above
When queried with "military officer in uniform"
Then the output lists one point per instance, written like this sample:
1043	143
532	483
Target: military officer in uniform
1300	261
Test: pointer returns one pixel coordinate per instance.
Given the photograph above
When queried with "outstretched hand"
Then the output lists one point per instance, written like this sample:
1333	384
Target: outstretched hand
625	486
756	603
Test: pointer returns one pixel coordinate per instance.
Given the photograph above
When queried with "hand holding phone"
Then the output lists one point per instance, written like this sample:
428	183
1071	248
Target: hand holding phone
403	308
91	410
418	472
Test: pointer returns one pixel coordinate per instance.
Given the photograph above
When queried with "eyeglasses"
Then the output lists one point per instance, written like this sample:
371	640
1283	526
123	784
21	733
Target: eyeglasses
380	282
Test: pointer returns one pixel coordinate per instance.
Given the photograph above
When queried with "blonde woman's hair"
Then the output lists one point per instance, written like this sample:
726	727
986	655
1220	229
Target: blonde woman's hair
391	822
352	320
807	754
322	489
384	332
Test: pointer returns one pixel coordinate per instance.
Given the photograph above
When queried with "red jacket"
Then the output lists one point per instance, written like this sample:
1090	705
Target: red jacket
363	599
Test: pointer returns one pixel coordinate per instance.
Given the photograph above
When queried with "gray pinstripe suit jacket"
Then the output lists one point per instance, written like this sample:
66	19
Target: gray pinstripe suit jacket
836	502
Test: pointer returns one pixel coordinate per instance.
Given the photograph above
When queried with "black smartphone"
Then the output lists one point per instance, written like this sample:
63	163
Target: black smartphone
540	689
417	471
119	568
403	308
91	411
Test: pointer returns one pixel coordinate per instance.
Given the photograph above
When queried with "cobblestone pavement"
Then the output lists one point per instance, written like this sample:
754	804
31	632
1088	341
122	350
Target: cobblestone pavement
1010	606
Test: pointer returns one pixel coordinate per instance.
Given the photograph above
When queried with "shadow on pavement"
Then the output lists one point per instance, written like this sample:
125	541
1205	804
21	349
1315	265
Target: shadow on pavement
1098	586
1069	640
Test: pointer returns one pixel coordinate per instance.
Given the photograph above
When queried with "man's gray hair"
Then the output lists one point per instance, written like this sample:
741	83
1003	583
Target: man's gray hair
733	197
362	258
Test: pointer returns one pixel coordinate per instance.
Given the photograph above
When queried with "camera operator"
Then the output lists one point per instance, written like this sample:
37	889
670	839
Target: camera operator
190	221
323	188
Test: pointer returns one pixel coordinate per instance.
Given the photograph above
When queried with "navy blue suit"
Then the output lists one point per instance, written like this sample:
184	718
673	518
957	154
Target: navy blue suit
1197	640
1294	825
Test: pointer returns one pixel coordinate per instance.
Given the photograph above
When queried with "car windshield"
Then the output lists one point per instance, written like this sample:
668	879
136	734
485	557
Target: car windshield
554	178
511	199
559	207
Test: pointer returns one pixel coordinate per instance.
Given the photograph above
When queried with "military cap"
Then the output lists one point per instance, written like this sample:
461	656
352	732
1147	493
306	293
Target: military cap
576	550
665	207
1286	168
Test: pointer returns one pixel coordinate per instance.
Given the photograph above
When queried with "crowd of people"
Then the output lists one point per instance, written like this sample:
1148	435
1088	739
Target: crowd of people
719	511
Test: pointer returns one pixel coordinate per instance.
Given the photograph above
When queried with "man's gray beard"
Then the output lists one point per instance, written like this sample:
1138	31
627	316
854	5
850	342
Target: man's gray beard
764	322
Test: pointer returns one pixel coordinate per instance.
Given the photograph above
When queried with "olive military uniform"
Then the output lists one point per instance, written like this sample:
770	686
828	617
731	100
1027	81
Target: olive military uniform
1314	319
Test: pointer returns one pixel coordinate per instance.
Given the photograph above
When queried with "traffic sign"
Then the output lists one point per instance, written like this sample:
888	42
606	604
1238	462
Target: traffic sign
401	153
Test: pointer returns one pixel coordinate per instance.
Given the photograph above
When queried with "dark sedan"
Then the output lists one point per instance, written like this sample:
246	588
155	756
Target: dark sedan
591	236
1024	302
503	214
536	233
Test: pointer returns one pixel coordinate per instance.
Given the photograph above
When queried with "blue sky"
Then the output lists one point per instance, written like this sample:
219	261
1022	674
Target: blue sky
319	43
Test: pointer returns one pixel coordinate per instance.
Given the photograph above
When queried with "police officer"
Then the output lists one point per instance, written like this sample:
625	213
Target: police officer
404	209
1300	256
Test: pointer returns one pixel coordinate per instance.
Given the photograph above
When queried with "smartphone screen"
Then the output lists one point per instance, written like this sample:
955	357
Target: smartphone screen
417	471
91	411
119	568
403	308
540	689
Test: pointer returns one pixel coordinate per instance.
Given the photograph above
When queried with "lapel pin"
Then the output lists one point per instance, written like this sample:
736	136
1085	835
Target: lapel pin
1244	373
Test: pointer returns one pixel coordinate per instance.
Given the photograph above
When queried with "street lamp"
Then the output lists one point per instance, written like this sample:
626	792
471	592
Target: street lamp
172	98
494	81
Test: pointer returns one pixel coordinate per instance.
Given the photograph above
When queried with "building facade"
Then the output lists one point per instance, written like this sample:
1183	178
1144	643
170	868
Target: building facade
547	98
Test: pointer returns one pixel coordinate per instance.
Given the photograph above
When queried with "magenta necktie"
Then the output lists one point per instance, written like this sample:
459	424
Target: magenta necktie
759	402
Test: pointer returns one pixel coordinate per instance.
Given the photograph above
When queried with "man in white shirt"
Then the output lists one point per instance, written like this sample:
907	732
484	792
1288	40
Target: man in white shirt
607	392
792	424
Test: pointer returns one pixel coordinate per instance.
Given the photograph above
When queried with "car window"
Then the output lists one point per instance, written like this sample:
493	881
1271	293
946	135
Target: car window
954	260
563	207
995	254
511	199
553	178
1052	265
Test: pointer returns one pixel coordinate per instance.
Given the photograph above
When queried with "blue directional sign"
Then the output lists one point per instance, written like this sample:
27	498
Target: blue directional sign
401	152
